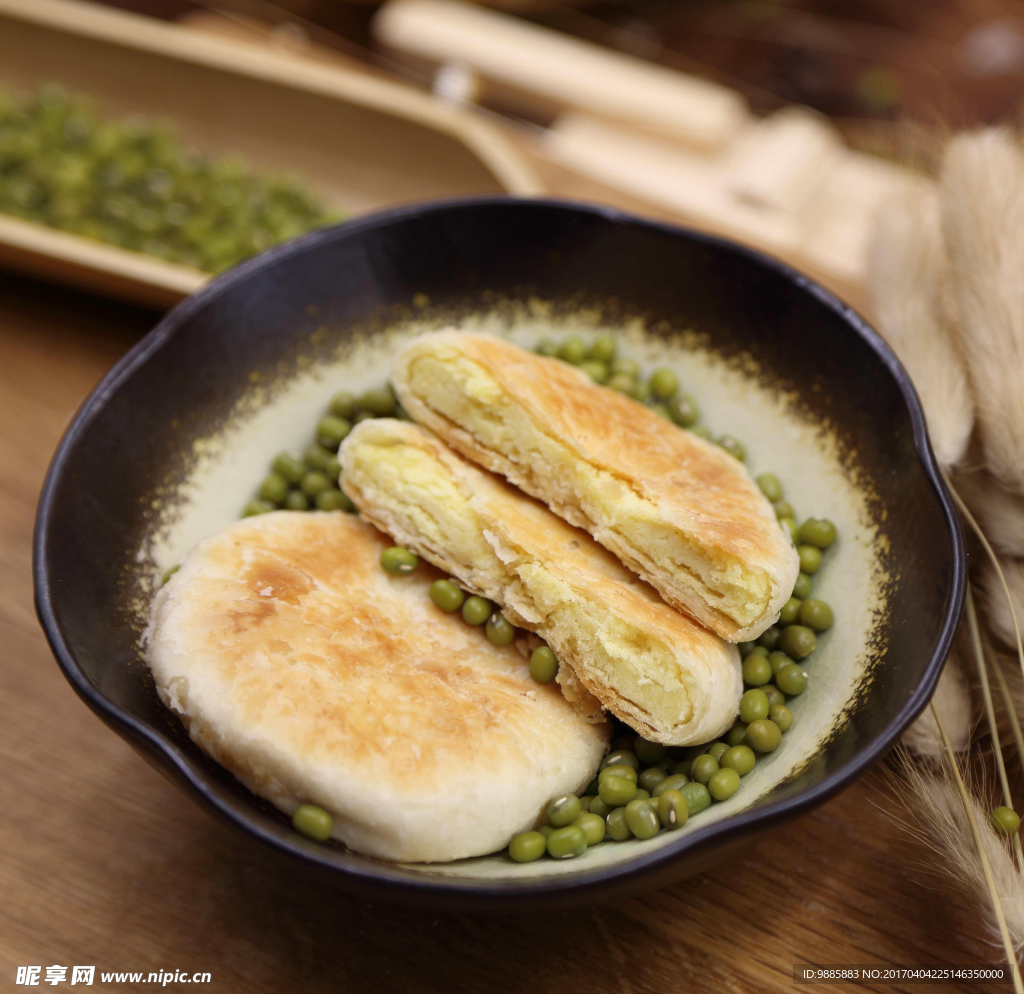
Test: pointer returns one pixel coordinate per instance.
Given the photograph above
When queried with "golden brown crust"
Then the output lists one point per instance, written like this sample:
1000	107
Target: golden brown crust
610	465
314	676
662	673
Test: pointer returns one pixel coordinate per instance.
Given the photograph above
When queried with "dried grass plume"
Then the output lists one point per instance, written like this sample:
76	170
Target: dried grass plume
997	609
941	821
952	699
906	275
982	194
1000	513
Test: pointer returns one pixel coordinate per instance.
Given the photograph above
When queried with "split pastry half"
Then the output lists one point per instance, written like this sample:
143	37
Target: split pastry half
312	675
676	509
656	669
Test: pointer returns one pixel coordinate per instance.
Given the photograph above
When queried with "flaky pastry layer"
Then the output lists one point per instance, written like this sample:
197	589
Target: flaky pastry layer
677	510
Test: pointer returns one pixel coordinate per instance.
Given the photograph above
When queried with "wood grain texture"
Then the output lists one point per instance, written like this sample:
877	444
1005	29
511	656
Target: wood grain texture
105	863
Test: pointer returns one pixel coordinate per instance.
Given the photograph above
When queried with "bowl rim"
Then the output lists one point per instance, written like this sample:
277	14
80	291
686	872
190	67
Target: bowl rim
384	880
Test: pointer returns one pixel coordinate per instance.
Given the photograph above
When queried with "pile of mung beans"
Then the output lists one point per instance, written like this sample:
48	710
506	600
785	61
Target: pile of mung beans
132	183
642	787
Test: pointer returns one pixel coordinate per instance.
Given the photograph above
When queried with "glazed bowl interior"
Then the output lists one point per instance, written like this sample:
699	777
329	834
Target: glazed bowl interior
174	442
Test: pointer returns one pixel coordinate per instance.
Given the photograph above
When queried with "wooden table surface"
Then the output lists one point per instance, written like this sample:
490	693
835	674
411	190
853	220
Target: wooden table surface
105	863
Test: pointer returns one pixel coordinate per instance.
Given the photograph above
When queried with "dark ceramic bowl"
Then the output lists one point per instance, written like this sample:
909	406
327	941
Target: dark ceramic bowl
175	439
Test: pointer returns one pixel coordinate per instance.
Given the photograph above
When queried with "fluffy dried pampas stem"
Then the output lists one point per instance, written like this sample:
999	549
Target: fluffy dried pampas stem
906	271
952	699
1009	704
942	821
1000	514
982	193
996	607
945	269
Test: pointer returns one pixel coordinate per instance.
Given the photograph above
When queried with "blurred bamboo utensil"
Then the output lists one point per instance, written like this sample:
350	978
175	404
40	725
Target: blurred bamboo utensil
555	72
786	183
786	186
363	142
617	129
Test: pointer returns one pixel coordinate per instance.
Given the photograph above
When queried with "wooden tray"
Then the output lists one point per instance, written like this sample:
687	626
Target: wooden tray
363	142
